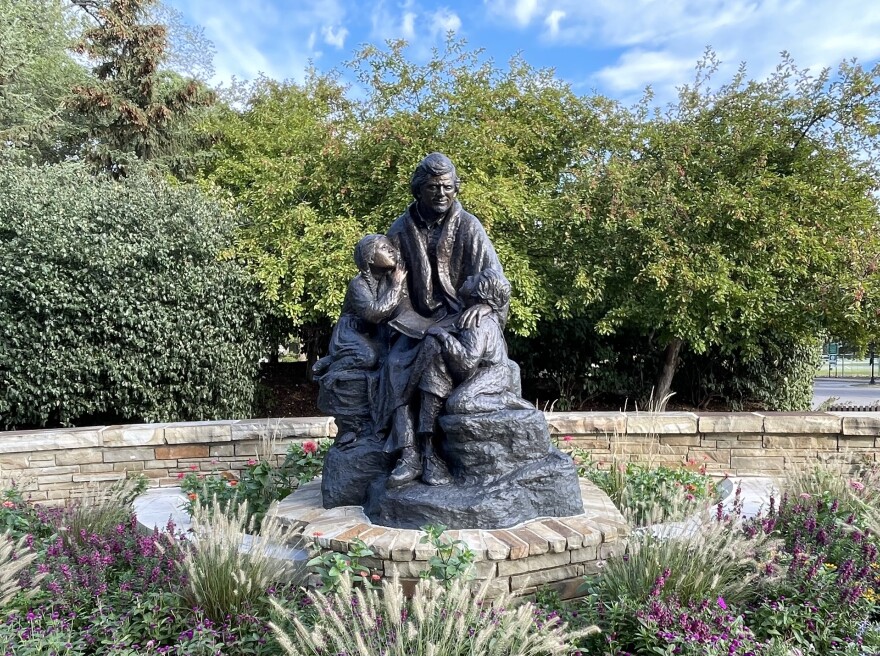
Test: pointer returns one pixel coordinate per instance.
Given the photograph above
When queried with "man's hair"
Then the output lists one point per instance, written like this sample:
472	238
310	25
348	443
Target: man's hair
433	165
492	288
365	250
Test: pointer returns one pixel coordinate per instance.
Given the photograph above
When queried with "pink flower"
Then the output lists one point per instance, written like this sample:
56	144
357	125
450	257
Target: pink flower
251	462
858	486
567	438
310	447
375	578
180	475
8	504
193	467
317	534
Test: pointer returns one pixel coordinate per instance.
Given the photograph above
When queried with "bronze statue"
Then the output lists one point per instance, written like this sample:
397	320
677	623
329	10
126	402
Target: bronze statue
432	427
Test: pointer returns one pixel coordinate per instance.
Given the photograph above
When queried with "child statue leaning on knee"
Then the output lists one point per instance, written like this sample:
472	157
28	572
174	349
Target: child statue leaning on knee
469	369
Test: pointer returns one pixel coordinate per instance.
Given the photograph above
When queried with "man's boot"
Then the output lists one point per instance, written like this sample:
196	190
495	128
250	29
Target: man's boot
408	468
436	472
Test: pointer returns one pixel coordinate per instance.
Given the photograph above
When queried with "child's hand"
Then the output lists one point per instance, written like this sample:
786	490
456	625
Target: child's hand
438	332
398	275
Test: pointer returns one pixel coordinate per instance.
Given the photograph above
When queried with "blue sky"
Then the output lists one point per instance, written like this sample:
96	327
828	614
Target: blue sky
615	48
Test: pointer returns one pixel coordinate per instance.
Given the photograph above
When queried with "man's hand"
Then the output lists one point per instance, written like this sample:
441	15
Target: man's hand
472	316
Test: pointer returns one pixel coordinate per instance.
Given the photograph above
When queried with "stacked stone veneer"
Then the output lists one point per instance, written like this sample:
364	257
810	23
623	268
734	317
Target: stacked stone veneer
745	443
545	552
54	464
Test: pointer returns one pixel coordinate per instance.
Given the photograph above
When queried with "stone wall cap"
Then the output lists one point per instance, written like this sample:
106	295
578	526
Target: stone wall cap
661	423
730	422
859	423
801	422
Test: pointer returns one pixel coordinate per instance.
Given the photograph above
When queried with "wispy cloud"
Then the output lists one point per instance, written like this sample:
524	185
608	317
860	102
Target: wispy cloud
334	36
653	38
267	36
422	28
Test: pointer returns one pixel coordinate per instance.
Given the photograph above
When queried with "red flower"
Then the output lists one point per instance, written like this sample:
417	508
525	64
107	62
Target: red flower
567	438
192	496
375	578
233	483
310	447
193	467
179	475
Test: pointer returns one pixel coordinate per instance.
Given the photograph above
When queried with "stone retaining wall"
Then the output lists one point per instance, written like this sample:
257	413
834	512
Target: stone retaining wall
54	464
546	552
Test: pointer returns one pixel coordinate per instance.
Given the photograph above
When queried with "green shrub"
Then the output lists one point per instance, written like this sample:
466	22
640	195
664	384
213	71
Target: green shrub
115	303
778	376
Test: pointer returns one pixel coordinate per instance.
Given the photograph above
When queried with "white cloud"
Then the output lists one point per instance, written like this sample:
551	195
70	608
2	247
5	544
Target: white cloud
409	21
334	36
637	68
552	21
525	10
443	21
266	36
651	38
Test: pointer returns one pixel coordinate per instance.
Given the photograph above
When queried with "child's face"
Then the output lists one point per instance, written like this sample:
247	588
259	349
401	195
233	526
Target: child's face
385	256
469	292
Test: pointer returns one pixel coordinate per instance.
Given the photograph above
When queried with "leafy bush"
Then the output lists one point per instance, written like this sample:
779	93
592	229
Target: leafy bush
334	567
644	494
261	483
305	460
453	559
778	375
115	303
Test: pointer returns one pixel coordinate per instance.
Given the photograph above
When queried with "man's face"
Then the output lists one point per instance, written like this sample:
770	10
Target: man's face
438	193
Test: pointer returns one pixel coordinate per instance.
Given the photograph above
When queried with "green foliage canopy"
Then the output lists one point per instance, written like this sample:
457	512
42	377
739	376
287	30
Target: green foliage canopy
738	212
312	169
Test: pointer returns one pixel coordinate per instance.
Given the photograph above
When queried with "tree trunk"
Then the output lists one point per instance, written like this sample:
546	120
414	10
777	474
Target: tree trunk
670	364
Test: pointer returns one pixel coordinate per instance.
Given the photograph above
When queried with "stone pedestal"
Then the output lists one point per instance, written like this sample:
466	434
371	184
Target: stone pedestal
555	552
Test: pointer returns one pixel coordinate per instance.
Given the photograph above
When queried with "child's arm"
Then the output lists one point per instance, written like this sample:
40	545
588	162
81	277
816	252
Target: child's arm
464	353
377	310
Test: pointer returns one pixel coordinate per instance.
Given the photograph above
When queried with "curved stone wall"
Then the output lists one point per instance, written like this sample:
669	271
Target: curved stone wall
52	465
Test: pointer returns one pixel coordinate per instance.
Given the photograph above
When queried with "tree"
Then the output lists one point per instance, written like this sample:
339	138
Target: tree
37	72
313	169
133	109
737	213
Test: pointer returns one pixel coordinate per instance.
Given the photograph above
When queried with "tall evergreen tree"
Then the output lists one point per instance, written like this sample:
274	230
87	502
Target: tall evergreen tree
134	109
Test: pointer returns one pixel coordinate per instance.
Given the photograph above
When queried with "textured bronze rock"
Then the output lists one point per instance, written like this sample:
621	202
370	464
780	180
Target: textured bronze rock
432	427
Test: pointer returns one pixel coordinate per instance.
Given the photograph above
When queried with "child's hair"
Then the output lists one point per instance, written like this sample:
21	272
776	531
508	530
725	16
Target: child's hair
492	288
365	250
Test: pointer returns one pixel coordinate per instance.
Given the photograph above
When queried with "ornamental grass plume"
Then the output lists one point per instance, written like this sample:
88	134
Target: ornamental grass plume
224	577
436	622
701	559
15	557
99	510
857	491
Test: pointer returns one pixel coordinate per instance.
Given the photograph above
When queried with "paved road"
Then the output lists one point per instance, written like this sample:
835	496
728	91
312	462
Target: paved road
855	390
